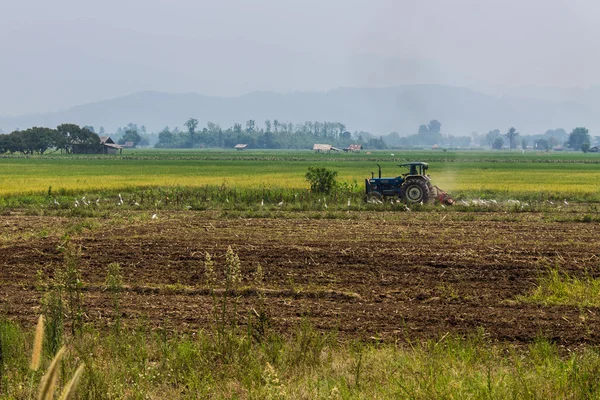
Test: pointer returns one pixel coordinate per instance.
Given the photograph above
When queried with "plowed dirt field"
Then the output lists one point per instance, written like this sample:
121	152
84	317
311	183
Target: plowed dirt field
370	275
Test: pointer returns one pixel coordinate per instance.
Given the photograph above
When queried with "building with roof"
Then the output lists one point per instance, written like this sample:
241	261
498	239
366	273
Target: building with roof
354	148
109	146
325	148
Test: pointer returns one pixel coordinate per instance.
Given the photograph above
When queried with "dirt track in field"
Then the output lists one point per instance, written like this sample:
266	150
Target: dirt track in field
390	276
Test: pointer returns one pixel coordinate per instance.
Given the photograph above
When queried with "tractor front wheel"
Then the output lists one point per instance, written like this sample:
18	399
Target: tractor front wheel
415	191
374	197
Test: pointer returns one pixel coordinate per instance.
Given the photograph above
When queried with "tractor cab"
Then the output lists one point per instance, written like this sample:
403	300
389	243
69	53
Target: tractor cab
415	169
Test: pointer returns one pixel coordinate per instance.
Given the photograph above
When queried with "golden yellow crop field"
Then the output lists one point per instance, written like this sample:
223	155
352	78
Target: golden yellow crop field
471	173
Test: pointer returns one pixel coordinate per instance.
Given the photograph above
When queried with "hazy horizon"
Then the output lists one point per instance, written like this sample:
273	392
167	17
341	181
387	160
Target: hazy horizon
67	53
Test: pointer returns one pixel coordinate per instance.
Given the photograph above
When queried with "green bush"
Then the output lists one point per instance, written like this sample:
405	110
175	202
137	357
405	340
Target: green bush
321	179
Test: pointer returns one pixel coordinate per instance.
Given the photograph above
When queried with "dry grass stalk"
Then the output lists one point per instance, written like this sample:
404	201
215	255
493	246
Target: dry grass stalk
209	271
46	390
72	384
37	344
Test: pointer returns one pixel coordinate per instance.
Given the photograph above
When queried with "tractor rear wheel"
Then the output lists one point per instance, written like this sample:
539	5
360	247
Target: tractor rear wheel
415	191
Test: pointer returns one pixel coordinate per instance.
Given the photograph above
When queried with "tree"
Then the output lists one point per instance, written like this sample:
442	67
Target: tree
559	134
543	144
71	135
374	143
434	127
585	147
131	136
511	136
4	143
165	139
191	125
578	137
524	144
491	138
250	126
37	139
429	134
498	143
64	138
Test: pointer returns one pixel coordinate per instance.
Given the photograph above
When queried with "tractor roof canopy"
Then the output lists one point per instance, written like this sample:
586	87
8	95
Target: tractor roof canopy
415	163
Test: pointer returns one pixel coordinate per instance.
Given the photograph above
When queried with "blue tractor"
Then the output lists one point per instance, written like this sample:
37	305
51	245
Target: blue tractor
414	186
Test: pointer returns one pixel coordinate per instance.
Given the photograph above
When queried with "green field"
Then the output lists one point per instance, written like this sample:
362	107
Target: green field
470	174
480	300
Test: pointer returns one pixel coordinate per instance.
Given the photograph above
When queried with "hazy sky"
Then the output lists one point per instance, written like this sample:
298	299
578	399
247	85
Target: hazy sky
54	54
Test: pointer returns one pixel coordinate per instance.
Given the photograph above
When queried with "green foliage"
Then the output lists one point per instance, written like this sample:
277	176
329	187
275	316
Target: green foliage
148	363
114	285
498	143
131	136
11	351
578	137
556	287
542	144
585	147
53	308
492	136
275	135
321	179
62	297
73	285
67	137
511	135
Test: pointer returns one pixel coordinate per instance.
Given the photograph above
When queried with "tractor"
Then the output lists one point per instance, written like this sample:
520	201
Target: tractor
413	186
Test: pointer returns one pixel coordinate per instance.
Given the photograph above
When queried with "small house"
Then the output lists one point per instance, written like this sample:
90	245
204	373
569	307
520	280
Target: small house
109	146
325	148
354	148
241	146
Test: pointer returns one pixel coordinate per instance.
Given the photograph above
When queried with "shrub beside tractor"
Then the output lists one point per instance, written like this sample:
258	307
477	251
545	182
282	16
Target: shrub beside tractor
413	186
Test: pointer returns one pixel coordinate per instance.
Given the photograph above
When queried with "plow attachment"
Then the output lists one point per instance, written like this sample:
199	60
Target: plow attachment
443	197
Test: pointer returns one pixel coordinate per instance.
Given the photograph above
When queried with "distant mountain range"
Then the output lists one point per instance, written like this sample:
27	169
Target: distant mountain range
377	110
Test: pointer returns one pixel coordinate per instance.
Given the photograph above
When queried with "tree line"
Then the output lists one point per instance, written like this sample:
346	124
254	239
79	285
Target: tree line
273	135
280	135
578	139
38	140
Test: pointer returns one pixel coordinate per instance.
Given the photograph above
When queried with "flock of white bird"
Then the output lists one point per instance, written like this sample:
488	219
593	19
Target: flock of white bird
470	203
473	202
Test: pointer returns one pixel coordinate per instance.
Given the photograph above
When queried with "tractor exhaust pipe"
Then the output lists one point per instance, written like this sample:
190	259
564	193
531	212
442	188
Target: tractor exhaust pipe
379	166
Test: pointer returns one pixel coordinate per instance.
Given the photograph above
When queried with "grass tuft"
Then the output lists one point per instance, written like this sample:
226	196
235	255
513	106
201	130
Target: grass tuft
560	288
